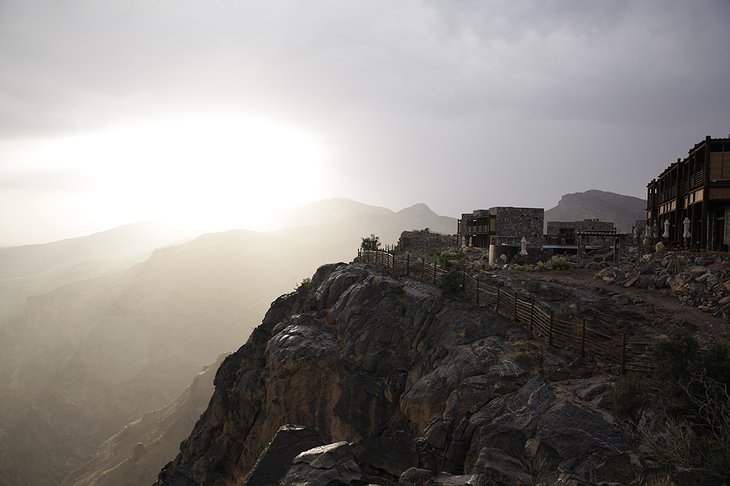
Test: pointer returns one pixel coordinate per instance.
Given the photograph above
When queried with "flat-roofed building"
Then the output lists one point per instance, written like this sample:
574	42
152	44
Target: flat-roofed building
501	226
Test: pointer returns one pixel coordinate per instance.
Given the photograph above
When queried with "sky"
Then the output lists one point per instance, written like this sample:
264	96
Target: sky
219	113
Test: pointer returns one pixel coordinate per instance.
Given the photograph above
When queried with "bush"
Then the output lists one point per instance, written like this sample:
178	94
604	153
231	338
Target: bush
370	243
561	265
696	401
629	396
676	355
451	284
304	286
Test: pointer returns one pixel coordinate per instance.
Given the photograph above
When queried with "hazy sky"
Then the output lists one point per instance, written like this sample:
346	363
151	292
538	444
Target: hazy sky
215	111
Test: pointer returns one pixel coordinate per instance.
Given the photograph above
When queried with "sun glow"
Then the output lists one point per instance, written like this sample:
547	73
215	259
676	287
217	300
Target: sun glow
214	174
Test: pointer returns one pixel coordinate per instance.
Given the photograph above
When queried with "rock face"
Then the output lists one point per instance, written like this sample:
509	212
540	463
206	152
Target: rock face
402	387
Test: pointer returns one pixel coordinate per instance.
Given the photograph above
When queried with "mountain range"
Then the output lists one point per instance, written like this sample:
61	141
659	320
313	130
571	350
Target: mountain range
99	330
101	336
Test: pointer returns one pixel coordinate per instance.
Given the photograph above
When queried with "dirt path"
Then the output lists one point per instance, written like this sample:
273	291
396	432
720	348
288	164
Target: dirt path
661	307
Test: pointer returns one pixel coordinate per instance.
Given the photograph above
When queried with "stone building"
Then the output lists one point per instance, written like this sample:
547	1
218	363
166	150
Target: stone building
424	241
501	226
565	233
696	188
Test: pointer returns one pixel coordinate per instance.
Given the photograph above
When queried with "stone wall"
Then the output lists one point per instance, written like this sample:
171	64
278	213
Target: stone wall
515	223
424	241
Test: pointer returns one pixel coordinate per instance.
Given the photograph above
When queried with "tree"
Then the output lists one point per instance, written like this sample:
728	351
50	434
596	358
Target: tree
371	242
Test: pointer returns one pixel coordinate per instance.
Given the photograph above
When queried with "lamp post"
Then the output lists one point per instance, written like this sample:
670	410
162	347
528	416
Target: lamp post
686	233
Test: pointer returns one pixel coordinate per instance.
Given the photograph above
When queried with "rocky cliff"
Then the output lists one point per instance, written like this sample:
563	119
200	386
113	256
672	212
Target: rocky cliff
362	378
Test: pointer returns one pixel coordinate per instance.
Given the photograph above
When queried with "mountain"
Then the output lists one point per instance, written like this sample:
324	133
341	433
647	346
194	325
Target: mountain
368	379
352	215
327	211
136	453
93	355
115	244
84	353
624	211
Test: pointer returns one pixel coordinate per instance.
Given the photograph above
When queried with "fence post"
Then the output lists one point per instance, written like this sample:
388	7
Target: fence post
463	279
550	331
434	273
408	263
532	312
583	340
496	307
477	279
623	353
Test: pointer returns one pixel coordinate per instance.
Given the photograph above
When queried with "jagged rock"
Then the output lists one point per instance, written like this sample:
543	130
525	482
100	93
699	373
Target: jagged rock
288	443
681	477
332	464
446	479
502	468
392	453
405	380
622	468
415	477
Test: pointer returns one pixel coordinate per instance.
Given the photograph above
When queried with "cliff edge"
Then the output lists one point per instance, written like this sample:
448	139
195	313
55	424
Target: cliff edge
361	378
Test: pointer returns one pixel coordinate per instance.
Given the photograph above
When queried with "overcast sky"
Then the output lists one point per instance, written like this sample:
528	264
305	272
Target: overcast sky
115	111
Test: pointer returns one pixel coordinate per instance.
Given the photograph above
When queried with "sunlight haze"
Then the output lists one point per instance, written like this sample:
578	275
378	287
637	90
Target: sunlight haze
207	174
220	112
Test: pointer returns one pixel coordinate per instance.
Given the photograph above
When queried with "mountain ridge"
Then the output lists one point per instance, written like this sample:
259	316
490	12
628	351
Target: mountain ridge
622	210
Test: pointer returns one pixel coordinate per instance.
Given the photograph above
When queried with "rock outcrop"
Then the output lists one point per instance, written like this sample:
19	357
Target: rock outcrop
402	387
700	281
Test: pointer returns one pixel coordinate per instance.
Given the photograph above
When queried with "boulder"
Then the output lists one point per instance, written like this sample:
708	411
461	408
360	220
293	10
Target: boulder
329	464
288	443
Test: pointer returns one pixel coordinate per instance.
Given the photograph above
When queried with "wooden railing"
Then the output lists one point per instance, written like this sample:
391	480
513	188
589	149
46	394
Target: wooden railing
618	350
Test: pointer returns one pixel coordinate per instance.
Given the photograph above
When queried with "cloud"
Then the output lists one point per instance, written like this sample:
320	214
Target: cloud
577	94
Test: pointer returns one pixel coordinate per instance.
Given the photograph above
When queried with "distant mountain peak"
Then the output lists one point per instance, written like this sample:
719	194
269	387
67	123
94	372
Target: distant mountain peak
622	210
419	208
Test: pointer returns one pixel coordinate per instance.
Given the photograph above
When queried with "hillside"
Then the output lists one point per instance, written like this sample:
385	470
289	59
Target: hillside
396	385
134	455
624	211
84	353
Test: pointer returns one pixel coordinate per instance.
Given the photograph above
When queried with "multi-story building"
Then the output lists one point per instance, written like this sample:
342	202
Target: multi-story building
501	226
698	189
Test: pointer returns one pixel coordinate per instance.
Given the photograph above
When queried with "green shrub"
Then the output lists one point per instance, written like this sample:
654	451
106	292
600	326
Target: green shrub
695	398
451	284
370	243
561	265
304	286
676	356
629	396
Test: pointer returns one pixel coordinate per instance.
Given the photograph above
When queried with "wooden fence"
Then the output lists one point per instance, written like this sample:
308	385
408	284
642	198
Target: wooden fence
619	350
